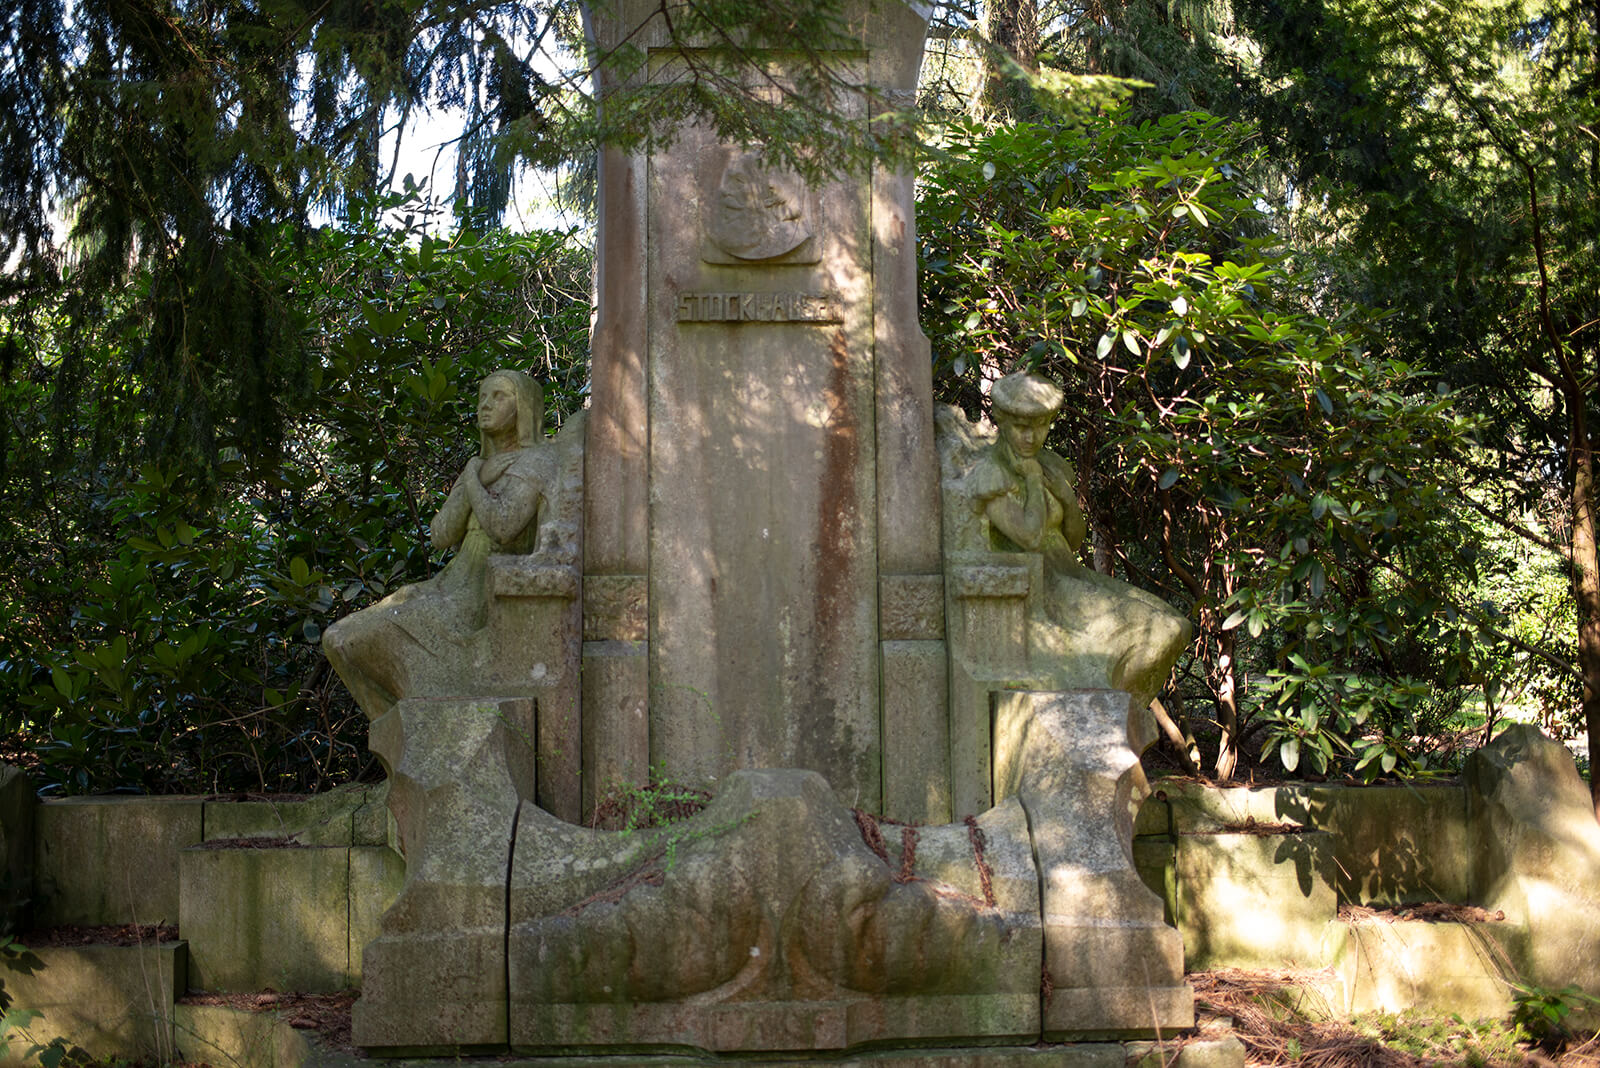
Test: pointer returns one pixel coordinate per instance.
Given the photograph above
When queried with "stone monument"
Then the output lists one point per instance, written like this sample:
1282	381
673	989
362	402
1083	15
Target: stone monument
755	568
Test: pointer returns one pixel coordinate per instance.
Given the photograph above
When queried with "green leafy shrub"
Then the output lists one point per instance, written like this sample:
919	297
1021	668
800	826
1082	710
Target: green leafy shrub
1543	1014
1240	451
162	624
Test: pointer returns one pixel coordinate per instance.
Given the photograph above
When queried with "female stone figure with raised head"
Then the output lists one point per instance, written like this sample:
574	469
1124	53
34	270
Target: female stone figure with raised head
1027	493
414	643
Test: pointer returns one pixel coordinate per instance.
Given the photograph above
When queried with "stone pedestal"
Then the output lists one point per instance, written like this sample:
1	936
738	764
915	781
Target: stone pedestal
435	979
1537	856
770	603
1114	967
771	922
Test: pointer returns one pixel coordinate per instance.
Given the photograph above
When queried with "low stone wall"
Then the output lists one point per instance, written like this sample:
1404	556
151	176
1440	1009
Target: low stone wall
1390	844
1254	878
110	1001
266	894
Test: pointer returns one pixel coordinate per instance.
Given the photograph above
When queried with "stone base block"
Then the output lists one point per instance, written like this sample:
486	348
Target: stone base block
259	918
376	875
1117	1012
217	1034
104	860
1082	1055
112	1001
433	994
772	1026
1256	901
1204	1053
1447	967
322	820
1112	954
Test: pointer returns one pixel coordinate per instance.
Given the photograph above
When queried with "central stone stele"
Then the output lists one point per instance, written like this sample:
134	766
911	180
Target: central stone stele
759	458
754	567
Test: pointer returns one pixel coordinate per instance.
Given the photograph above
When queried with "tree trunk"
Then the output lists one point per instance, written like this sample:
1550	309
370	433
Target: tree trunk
1178	734
1010	39
1586	585
1225	684
1585	509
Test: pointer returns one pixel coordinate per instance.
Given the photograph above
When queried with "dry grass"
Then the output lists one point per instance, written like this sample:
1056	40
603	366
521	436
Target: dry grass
326	1015
1282	1019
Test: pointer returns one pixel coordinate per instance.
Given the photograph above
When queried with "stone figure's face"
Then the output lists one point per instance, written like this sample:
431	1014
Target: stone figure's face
1025	437
497	405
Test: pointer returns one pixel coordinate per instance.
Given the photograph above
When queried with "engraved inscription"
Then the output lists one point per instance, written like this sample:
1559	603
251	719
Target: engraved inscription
746	307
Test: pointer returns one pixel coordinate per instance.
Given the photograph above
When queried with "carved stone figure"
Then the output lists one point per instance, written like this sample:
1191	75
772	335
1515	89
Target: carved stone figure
413	642
1095	630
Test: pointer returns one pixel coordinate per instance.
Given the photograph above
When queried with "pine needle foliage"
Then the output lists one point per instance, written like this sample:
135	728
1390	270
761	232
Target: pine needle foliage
154	153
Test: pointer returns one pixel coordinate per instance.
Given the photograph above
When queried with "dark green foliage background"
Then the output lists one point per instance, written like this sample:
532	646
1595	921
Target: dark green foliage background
1331	349
161	618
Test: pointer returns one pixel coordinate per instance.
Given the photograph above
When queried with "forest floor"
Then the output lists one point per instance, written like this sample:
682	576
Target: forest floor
1253	1006
1258	1007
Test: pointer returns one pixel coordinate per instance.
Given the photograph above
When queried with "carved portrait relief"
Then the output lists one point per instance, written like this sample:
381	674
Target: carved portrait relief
759	214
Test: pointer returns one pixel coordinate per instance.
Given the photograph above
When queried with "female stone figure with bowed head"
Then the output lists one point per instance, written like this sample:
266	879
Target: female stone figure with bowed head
416	642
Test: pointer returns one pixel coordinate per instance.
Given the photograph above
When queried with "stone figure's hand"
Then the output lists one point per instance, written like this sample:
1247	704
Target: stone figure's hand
474	465
438	534
1030	468
450	522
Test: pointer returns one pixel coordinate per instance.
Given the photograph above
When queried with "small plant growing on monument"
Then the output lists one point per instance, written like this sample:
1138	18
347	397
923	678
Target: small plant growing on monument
626	807
661	808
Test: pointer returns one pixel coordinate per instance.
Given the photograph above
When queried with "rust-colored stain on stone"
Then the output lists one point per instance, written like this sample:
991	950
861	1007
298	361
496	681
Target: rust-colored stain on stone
836	496
821	740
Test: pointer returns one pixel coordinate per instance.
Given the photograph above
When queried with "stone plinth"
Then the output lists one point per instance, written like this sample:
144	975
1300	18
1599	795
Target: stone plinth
1462	968
260	918
768	922
101	860
328	819
435	979
1257	900
110	1001
1537	856
1114	967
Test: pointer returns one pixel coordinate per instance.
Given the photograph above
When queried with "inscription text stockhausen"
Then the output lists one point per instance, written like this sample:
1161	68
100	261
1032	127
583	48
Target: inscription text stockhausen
745	307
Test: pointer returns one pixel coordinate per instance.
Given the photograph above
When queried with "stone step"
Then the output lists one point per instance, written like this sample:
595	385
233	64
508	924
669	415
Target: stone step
111	1001
245	1039
282	918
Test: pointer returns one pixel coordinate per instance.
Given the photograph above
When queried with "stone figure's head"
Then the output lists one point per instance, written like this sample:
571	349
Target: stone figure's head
509	394
1024	407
